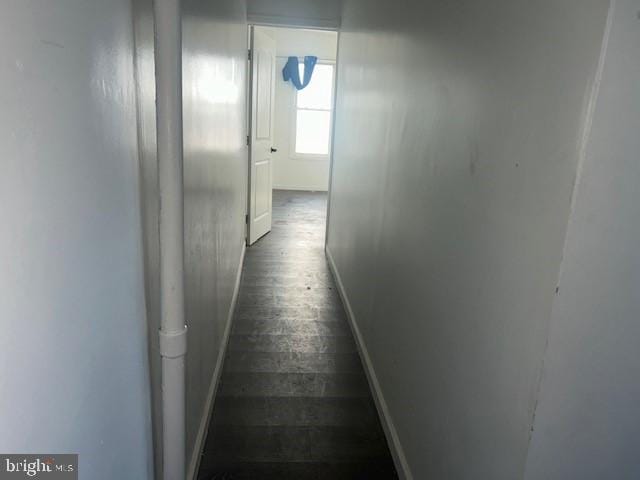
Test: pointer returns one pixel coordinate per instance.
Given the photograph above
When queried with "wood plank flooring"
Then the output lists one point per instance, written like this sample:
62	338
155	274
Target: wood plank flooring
293	402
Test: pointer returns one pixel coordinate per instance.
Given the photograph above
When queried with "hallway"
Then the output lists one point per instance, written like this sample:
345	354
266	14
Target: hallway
293	400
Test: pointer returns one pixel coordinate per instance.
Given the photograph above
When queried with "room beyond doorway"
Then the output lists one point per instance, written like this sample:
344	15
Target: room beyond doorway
291	125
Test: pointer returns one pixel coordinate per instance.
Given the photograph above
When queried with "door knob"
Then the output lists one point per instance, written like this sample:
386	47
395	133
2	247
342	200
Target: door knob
274	150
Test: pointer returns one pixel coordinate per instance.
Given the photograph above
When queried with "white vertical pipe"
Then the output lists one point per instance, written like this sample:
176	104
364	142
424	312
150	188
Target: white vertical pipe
173	338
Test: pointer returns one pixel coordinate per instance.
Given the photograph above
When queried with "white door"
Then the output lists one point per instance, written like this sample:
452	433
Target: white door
263	74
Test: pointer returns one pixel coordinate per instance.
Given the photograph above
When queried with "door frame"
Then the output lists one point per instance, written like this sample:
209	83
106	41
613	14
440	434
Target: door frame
249	97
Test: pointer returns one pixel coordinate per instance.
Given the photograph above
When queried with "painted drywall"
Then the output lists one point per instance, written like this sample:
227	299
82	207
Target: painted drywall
290	171
303	41
73	349
457	138
302	13
588	407
215	176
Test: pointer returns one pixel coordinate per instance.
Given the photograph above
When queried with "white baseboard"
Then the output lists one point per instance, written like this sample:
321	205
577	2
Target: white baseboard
399	459
194	464
301	189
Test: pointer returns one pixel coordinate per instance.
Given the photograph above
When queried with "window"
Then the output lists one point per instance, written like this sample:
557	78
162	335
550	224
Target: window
313	112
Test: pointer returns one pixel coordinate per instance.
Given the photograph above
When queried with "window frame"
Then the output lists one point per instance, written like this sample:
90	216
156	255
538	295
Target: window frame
294	119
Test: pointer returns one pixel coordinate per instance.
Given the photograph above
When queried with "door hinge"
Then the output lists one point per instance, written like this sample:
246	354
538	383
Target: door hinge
249	55
246	219
248	141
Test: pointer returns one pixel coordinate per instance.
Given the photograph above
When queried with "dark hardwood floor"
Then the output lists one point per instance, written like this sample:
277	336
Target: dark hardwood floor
293	402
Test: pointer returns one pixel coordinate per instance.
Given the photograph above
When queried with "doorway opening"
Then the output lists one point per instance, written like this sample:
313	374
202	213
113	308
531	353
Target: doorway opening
291	118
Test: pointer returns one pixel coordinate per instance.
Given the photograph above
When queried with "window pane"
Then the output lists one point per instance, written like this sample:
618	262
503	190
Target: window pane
318	93
312	132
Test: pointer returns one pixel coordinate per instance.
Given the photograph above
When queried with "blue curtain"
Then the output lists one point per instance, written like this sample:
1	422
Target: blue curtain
291	71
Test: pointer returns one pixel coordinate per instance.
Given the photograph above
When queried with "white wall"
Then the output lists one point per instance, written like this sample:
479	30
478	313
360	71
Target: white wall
587	419
457	142
291	171
73	350
215	177
305	13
